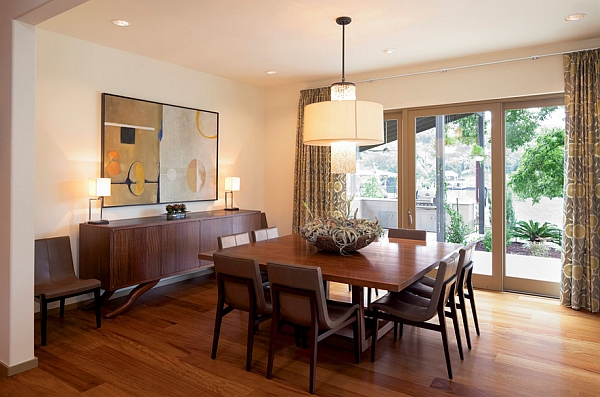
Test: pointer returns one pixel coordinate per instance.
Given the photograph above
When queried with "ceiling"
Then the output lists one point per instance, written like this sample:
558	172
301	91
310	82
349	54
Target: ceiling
300	40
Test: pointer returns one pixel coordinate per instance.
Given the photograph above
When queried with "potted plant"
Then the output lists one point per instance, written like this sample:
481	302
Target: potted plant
176	211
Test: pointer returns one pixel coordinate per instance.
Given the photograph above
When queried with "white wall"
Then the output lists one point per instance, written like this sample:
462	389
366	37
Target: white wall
71	76
500	80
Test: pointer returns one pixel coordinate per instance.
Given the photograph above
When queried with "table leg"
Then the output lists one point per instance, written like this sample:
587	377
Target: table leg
358	296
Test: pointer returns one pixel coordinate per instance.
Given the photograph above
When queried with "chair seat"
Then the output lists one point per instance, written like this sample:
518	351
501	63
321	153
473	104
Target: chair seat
403	304
339	312
421	288
68	286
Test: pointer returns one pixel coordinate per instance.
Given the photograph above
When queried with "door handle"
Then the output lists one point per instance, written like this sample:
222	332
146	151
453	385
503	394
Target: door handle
410	217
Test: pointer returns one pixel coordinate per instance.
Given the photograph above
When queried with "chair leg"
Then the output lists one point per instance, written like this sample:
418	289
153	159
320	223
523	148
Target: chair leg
374	335
368	296
463	311
97	305
44	310
442	319
313	358
217	331
62	307
454	316
250	342
376	292
472	300
272	345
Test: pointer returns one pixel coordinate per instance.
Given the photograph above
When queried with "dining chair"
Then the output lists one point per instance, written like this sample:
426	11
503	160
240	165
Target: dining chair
233	240
299	299
265	234
239	287
410	234
55	278
407	308
464	274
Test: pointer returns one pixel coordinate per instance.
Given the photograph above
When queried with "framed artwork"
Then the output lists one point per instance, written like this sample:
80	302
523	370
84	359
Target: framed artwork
157	153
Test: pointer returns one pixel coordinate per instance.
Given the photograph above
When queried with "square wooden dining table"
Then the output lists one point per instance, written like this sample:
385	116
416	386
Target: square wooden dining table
386	264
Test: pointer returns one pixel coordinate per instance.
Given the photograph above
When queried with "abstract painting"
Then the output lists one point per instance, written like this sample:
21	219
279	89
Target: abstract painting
157	153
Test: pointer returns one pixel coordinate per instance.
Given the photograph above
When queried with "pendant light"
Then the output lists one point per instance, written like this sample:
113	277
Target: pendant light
343	123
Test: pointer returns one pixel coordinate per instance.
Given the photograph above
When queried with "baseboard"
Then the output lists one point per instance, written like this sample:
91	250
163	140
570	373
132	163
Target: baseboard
6	370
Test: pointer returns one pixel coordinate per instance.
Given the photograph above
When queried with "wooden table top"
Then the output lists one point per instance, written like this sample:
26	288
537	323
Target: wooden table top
387	264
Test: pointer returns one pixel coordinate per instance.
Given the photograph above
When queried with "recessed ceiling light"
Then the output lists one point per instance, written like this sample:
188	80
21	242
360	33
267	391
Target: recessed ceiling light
120	22
575	17
389	50
270	72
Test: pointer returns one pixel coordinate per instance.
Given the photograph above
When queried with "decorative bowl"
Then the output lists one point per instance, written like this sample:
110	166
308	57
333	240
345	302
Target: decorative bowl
327	243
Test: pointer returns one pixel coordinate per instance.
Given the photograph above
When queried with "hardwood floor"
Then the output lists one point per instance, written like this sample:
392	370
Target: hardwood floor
529	346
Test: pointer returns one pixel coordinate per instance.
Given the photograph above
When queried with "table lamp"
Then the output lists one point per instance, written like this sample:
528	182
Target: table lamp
232	184
98	188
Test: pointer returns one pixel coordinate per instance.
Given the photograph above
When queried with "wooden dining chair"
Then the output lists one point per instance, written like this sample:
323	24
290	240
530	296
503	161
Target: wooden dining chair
407	308
464	287
233	240
265	234
410	234
55	278
299	299
239	287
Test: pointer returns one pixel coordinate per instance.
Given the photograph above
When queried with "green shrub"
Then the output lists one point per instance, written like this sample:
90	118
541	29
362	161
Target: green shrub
457	230
534	232
538	249
487	240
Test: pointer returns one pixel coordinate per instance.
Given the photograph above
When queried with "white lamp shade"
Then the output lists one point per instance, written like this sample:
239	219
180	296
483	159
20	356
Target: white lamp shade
98	187
232	184
360	122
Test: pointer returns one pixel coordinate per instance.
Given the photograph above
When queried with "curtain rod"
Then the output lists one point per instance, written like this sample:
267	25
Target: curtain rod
444	70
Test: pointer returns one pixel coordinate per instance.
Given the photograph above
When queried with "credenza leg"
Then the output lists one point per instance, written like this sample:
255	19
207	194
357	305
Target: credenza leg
131	298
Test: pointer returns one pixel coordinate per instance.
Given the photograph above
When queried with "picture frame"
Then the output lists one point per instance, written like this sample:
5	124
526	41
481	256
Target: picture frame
158	153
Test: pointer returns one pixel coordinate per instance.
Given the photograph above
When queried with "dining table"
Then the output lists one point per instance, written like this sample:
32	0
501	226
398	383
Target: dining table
387	264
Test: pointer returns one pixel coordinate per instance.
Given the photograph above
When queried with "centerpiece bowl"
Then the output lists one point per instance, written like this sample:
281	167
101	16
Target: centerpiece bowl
341	234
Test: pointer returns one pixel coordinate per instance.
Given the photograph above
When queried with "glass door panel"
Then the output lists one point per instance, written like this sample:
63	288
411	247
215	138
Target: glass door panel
534	198
374	186
452	176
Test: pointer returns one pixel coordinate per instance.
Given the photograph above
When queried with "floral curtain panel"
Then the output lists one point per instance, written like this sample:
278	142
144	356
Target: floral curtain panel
580	286
314	184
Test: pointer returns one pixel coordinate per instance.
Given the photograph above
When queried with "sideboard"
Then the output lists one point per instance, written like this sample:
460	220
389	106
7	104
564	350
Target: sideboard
141	251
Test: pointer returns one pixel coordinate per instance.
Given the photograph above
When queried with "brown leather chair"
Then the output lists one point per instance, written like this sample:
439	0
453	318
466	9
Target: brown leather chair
299	299
55	279
464	275
409	234
240	288
407	308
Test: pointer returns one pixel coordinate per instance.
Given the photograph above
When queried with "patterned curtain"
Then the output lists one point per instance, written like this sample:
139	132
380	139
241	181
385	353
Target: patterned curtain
314	184
580	287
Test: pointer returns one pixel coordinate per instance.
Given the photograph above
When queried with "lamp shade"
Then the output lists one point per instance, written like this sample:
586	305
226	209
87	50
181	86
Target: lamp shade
99	187
360	122
232	183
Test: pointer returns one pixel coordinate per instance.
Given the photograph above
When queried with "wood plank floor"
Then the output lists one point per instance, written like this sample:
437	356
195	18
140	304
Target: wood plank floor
528	346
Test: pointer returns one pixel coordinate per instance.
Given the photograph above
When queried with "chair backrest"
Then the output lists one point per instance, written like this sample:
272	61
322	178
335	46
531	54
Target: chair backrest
444	280
265	234
272	232
232	240
236	294
465	264
294	308
53	260
260	235
410	234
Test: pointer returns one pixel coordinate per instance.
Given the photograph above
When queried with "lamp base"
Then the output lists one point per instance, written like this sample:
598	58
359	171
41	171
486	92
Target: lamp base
99	222
231	209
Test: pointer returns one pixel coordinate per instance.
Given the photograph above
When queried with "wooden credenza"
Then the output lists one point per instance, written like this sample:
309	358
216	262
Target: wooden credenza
141	251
